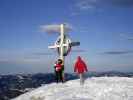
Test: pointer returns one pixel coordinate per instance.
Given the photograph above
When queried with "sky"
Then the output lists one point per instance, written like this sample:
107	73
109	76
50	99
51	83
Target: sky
103	28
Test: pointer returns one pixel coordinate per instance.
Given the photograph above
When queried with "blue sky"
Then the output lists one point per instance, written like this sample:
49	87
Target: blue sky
104	28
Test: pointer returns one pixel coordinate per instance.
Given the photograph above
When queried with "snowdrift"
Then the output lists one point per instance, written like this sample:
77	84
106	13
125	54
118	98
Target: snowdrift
95	88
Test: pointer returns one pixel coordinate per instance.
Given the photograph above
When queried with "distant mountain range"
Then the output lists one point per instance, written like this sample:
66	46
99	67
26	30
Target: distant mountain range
13	85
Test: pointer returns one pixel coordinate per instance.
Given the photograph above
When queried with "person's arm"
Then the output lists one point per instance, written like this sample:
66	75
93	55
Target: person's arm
75	67
62	67
85	67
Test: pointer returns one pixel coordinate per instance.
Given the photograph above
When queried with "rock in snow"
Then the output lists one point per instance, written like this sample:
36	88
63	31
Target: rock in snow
95	88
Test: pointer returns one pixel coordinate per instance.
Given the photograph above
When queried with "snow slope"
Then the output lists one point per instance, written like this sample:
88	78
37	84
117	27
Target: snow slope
96	88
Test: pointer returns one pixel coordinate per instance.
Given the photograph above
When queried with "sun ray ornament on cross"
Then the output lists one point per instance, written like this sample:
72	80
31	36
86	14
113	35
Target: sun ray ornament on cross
63	44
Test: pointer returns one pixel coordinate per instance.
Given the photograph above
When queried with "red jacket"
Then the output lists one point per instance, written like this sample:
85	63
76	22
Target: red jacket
80	66
58	67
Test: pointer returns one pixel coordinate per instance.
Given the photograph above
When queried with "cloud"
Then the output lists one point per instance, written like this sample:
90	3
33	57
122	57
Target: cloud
78	50
117	52
88	5
37	55
120	3
128	36
55	28
42	53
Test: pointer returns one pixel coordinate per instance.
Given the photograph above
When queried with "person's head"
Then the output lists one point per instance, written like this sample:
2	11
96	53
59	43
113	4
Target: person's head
59	61
78	58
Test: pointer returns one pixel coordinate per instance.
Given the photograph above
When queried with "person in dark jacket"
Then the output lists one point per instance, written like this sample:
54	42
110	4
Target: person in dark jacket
80	67
58	70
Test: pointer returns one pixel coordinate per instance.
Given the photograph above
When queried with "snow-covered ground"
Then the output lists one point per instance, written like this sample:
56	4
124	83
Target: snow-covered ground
96	88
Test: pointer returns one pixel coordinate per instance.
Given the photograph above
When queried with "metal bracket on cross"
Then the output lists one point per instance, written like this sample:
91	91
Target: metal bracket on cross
63	44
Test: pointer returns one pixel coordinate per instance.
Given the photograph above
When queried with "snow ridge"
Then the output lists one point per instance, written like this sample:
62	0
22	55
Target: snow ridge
95	88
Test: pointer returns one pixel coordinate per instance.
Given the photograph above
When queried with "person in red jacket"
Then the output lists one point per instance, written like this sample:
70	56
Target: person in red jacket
80	67
58	70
